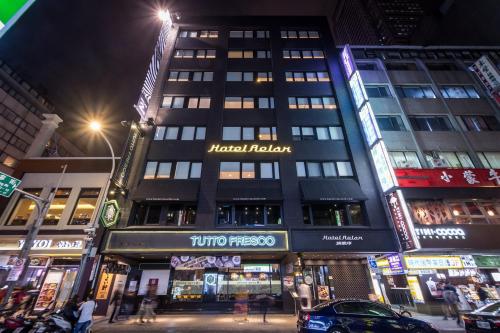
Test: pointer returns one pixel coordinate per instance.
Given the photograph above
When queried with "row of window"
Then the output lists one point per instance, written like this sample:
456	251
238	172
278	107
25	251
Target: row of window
247	215
422	54
198	34
180	133
424	91
249	34
13	139
249	54
249	170
311	103
440	159
184	102
307	76
473	123
249	102
317	133
183	76
81	215
13	118
303	54
325	169
288	34
249	76
302	34
201	54
236	133
172	170
190	76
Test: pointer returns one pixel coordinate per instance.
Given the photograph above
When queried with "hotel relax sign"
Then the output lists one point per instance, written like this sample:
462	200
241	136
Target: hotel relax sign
256	148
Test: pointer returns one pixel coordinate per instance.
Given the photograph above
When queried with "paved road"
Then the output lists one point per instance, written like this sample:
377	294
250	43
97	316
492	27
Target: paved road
215	323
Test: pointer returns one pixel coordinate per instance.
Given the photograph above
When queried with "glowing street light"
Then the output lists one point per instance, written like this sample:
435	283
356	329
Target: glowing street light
95	126
163	15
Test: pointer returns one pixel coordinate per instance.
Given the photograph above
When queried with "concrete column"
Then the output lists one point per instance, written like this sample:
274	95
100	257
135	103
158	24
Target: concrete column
43	136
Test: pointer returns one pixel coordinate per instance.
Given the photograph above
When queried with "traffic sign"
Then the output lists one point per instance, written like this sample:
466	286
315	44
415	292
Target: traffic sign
110	213
8	184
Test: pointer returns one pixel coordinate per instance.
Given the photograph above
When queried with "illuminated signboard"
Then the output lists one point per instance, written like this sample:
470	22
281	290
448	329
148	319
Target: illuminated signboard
358	90
249	149
11	11
383	167
402	222
154	66
447	177
369	124
120	177
440	233
433	262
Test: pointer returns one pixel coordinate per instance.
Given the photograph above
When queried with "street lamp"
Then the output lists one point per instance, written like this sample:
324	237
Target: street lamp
96	127
163	15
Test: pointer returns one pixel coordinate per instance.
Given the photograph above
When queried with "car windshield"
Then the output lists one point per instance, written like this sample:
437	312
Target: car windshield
491	308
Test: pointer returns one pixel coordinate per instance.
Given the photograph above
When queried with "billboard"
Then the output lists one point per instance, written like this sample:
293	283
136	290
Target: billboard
11	11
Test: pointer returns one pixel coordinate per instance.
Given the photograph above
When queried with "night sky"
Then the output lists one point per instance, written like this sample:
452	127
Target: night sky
90	56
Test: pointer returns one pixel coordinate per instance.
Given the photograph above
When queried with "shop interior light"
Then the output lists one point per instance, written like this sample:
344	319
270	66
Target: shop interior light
490	212
456	212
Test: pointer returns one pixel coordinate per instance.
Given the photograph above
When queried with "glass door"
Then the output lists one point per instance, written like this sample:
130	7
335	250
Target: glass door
210	279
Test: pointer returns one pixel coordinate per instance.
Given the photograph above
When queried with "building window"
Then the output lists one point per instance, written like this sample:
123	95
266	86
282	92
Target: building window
307	77
177	214
459	92
249	54
248	215
249	102
333	215
325	169
249	76
235	133
415	91
23	209
404	159
311	103
200	54
249	34
317	133
176	76
249	170
172	133
401	66
183	102
198	34
431	124
175	170
490	159
480	123
390	123
439	159
303	54
377	91
432	212
367	66
85	206
302	34
57	206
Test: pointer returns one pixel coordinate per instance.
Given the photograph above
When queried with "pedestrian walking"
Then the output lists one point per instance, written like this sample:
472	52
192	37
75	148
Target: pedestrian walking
265	301
70	310
116	301
85	319
450	297
146	309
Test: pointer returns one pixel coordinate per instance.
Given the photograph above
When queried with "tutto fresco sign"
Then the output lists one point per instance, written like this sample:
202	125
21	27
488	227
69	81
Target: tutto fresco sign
217	148
187	241
444	177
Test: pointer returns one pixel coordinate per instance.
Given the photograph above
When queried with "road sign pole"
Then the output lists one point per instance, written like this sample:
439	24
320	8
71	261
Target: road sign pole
42	207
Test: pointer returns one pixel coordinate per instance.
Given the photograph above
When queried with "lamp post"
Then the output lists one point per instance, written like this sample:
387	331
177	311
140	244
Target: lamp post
88	253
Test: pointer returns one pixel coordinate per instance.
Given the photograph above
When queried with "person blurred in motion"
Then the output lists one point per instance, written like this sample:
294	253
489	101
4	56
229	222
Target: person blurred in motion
85	319
116	300
70	310
450	297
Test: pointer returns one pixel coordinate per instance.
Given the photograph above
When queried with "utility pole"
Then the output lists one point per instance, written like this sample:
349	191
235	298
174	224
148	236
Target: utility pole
42	207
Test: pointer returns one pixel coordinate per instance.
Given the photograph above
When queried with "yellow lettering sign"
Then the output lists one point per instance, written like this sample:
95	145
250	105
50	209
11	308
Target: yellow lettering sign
256	148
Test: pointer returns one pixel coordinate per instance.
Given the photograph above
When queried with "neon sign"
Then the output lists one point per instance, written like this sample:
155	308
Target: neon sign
249	149
235	241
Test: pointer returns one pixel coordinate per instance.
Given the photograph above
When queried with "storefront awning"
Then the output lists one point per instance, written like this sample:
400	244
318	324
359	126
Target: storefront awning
331	190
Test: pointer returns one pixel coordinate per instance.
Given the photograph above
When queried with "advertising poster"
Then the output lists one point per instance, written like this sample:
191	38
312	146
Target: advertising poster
323	293
156	279
415	291
16	270
104	286
49	290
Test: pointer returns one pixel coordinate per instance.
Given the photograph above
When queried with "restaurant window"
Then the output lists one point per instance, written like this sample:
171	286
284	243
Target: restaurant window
480	123
57	206
23	209
333	215
449	159
490	159
85	206
249	170
390	123
431	212
248	215
404	159
178	214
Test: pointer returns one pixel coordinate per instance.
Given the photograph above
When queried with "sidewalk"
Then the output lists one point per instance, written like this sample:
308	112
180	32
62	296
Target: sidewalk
213	323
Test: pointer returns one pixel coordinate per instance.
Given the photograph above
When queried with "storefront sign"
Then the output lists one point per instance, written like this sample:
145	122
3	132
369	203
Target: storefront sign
120	178
487	261
462	272
402	221
110	213
440	232
342	240
8	184
158	241
16	270
34	261
433	262
49	290
489	75
42	244
395	263
190	262
249	149
104	286
444	177
462	236
415	291
154	66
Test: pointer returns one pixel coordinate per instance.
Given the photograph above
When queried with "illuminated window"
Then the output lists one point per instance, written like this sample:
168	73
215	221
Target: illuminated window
248	103
326	169
172	133
24	208
490	159
57	206
164	170
334	214
292	34
404	159
229	170
232	103
441	159
248	170
85	206
235	54
459	92
317	133
182	170
248	215
150	172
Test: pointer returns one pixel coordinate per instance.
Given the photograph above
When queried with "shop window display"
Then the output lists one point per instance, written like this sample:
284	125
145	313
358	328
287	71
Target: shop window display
455	212
57	207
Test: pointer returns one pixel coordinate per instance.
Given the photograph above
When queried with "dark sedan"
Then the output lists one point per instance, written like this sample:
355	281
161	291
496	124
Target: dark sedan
484	319
357	316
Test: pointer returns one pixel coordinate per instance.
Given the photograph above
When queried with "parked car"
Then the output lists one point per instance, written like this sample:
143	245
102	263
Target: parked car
357	316
484	319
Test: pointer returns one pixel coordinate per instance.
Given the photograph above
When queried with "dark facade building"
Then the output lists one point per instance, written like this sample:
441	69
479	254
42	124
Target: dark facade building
252	175
439	118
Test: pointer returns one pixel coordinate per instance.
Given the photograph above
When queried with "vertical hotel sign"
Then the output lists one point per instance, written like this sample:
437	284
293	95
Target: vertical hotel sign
154	66
120	178
383	168
11	11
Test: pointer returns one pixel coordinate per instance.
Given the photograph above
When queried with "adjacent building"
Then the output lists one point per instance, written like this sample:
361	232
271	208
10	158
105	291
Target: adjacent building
440	125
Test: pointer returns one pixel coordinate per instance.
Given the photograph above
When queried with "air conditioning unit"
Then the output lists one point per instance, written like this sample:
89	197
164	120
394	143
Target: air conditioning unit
439	163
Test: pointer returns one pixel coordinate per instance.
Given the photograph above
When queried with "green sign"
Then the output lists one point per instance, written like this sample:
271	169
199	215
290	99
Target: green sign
8	184
487	261
10	11
110	213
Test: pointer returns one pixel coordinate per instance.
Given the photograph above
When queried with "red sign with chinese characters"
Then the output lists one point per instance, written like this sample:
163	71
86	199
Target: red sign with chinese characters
447	177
